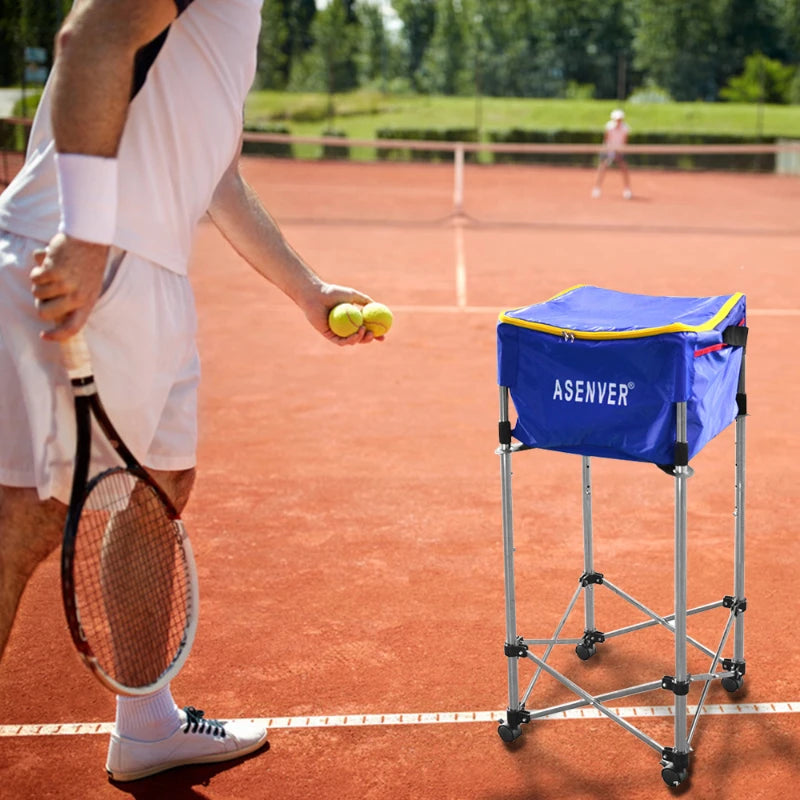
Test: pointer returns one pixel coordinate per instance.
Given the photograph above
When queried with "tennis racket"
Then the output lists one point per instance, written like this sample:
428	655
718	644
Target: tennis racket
128	578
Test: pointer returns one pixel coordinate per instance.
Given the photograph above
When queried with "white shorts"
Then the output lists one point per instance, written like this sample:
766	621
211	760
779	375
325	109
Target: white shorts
141	335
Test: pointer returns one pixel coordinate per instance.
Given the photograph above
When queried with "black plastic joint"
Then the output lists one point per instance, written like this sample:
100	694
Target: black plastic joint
741	606
505	432
679	761
593	637
591	577
680	688
737	667
517	717
681	454
741	403
516	650
738	606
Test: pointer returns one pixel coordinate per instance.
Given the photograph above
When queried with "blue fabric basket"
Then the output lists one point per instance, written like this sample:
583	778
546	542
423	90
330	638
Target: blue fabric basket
598	372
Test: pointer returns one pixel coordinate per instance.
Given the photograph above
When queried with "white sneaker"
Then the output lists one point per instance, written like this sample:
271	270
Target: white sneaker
627	194
196	741
596	191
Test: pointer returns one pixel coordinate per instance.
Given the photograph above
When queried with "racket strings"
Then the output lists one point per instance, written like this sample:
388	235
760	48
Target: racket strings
131	580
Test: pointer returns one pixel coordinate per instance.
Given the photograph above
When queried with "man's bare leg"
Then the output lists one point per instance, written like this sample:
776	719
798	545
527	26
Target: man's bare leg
626	178
177	485
29	531
598	183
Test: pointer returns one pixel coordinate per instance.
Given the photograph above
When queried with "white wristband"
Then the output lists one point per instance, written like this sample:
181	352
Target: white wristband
87	192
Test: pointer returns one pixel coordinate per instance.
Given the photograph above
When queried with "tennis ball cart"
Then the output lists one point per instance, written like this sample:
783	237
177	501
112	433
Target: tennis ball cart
605	374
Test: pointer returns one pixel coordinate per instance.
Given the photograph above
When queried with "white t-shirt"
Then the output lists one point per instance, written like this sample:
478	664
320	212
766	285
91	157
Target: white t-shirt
616	135
181	134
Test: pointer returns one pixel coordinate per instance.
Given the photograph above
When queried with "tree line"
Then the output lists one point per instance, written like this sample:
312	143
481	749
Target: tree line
742	50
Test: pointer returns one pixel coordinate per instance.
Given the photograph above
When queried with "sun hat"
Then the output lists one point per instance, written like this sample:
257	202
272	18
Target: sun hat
617	113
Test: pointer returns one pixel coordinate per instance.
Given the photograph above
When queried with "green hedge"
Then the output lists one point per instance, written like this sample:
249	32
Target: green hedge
734	162
520	136
285	149
13	141
14	137
424	135
334	152
764	162
275	149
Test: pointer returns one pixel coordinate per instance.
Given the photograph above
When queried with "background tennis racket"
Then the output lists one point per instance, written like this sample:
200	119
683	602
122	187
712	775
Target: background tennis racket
128	578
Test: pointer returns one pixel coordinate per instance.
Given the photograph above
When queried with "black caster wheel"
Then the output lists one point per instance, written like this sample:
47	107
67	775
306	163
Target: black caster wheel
674	777
585	652
732	683
509	734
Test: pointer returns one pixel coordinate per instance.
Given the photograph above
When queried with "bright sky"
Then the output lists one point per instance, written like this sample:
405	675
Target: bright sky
389	15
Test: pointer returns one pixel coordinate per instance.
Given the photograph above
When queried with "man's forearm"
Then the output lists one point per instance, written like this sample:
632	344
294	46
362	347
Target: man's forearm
241	218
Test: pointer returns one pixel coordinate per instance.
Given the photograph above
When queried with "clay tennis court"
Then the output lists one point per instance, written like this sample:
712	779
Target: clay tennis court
347	522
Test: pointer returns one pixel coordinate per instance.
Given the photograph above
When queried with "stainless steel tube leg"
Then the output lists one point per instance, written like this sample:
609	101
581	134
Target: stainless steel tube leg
510	728
676	759
734	682
591	636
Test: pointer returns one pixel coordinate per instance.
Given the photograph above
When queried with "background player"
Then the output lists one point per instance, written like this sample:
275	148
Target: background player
614	140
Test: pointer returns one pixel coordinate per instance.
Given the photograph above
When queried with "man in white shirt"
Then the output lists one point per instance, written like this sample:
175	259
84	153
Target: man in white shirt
614	141
137	137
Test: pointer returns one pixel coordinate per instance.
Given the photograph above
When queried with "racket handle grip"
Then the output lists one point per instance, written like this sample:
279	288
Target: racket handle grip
75	354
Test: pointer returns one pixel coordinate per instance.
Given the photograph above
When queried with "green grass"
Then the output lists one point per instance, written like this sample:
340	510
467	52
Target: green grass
360	114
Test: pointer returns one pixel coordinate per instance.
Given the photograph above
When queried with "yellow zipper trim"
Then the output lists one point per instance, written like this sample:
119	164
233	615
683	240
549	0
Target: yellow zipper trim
674	327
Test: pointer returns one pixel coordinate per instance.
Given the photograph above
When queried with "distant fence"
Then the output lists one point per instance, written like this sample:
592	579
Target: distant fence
749	157
781	156
14	133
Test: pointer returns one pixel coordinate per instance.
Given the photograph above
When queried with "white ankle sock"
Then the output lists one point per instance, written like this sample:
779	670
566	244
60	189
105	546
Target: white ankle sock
148	718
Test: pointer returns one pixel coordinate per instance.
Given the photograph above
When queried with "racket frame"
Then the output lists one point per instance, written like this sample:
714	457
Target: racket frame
88	404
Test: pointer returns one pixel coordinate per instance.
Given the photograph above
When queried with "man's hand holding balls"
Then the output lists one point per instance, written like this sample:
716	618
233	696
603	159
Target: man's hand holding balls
345	319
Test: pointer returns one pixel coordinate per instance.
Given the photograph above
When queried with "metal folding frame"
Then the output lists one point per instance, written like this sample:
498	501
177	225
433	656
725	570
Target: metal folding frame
730	672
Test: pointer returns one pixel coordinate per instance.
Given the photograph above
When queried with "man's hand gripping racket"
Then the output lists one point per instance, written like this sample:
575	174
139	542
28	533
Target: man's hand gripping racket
128	578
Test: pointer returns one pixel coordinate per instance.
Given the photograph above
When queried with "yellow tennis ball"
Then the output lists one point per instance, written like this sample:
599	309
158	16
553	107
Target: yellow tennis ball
345	319
377	318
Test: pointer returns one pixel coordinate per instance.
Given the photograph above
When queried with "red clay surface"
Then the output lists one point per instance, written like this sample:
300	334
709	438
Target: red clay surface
347	516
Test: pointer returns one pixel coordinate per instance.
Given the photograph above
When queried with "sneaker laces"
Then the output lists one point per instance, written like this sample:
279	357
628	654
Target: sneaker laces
198	724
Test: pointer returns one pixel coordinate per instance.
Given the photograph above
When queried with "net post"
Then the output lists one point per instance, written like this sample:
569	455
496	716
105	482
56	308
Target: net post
458	179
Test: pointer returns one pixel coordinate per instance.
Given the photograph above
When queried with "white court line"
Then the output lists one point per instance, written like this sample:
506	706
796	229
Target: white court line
496	310
465	309
461	265
442	718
